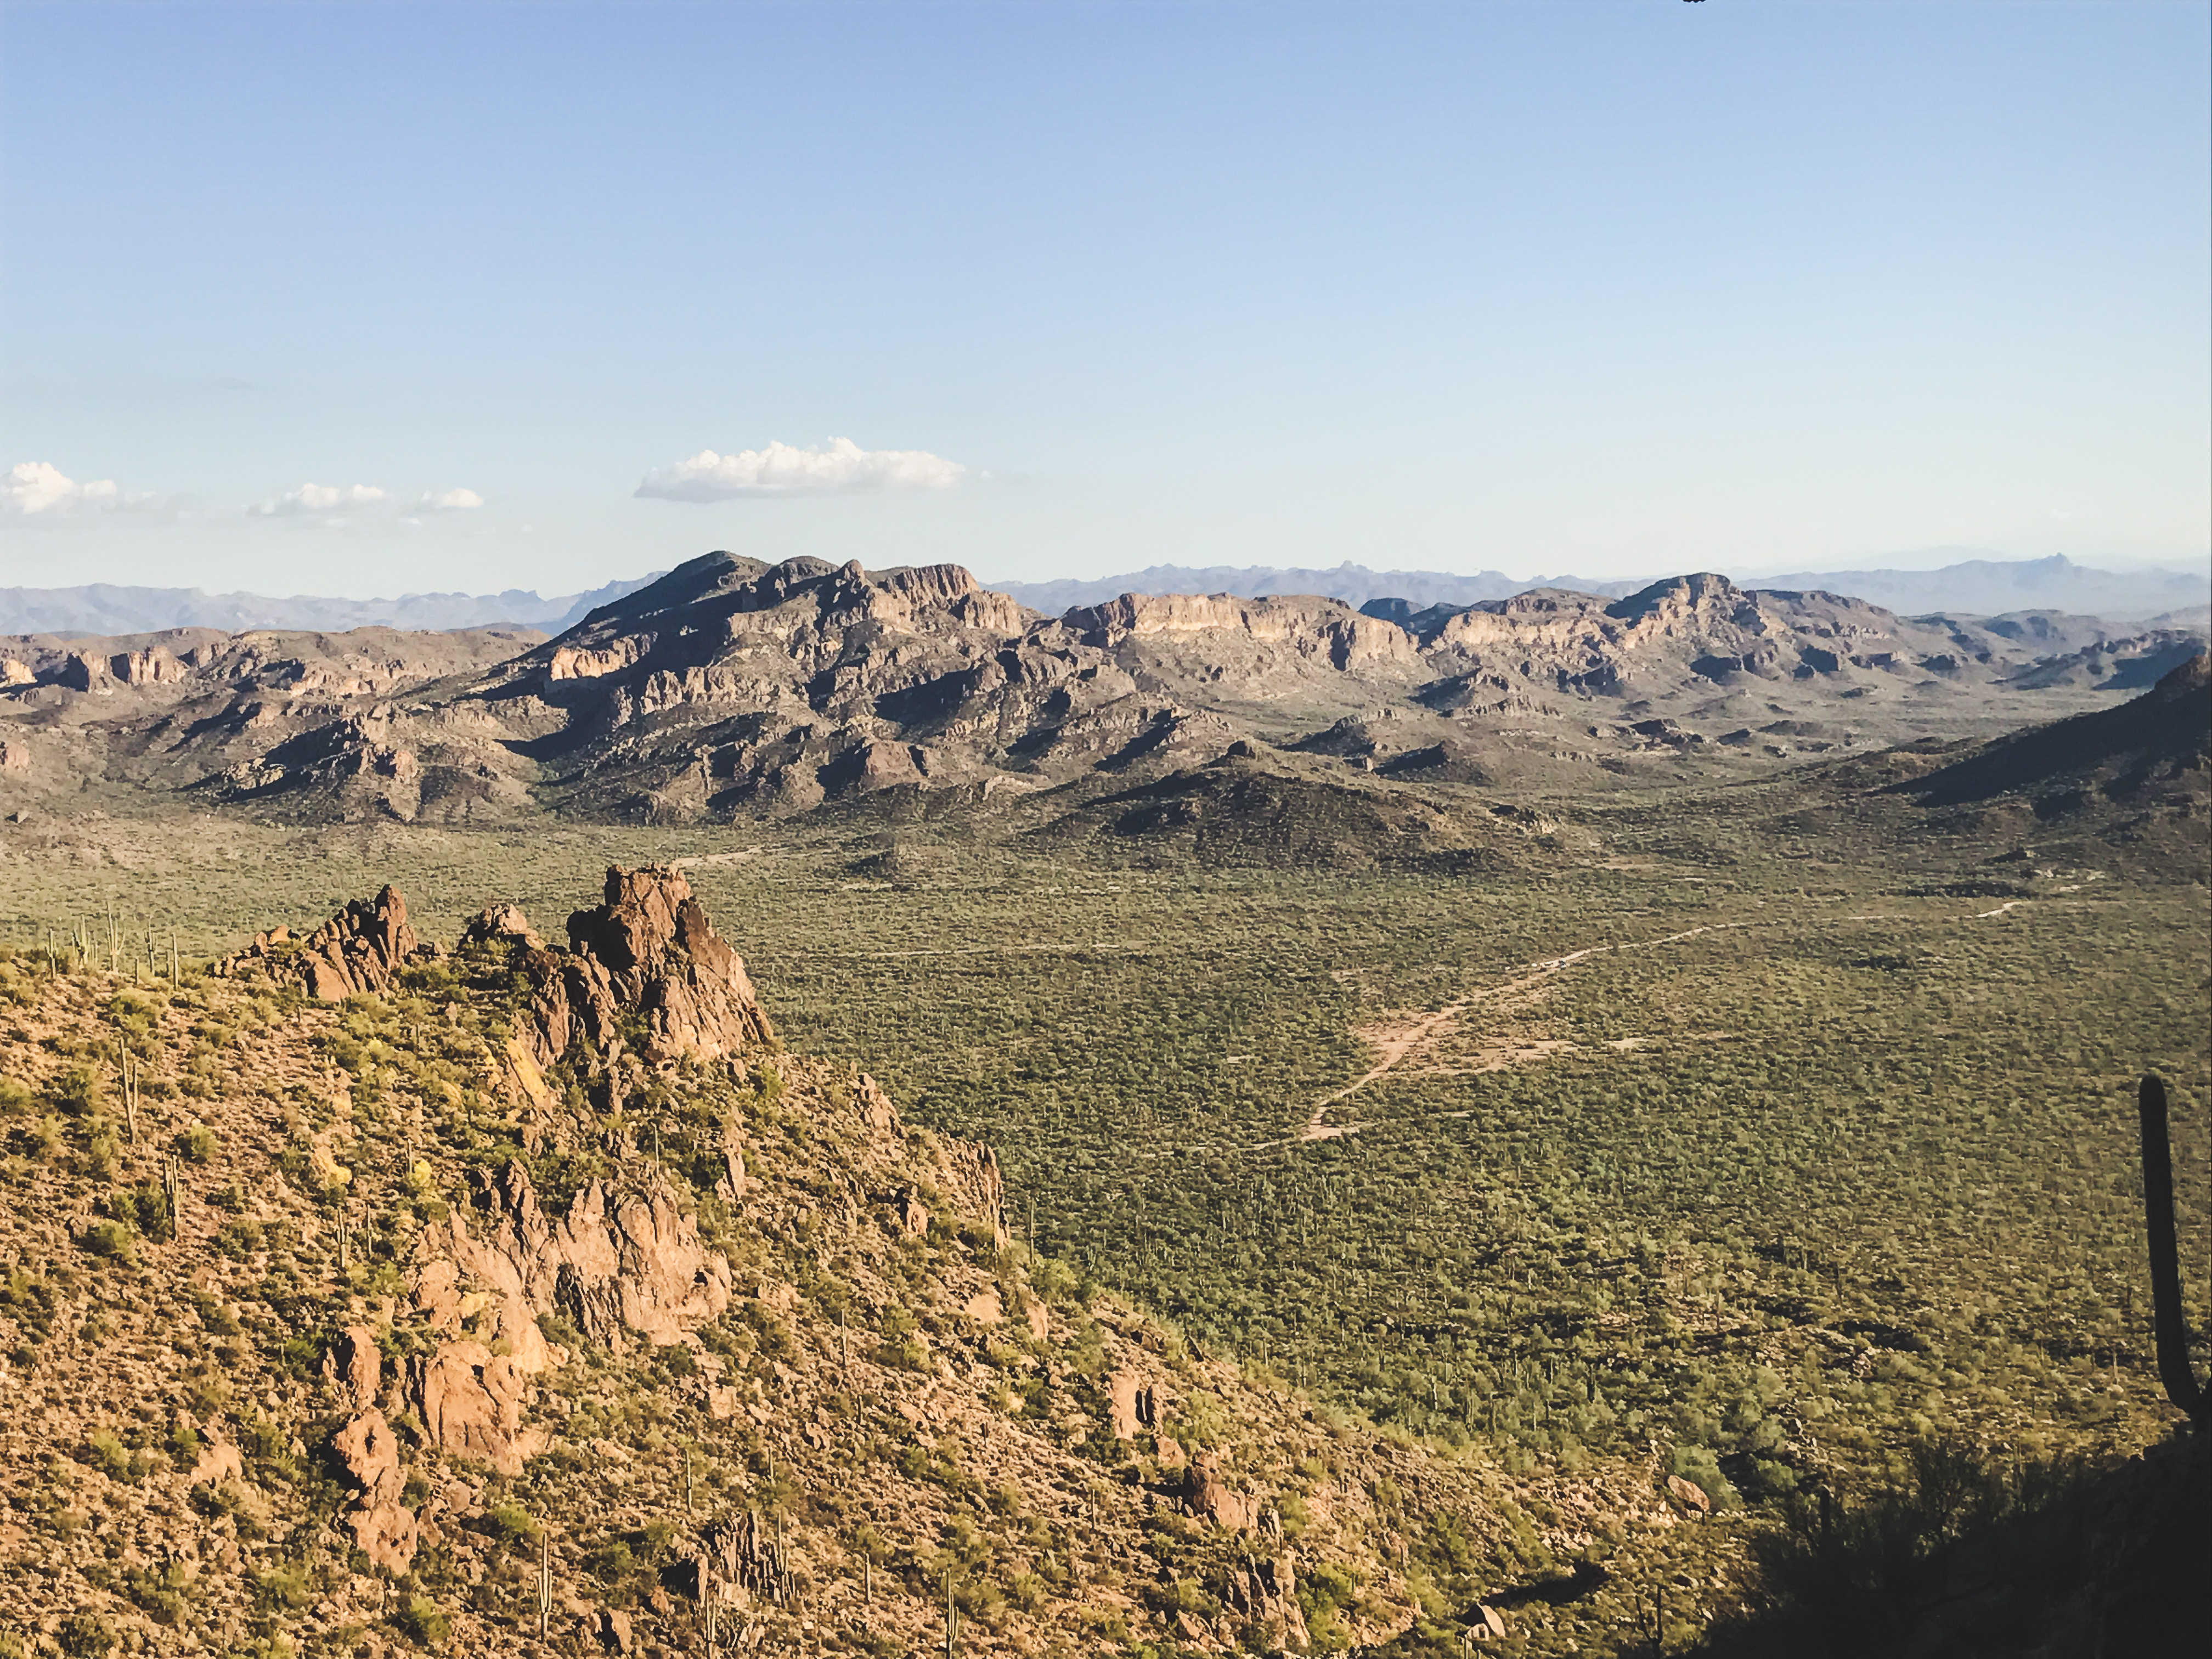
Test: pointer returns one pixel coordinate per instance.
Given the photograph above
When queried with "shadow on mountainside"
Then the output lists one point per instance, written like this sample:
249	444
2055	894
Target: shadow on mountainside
2116	752
1967	1559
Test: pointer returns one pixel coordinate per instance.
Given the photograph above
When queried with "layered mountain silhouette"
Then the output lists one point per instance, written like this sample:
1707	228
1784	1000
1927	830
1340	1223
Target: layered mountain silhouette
104	608
730	685
2161	737
1980	585
1976	587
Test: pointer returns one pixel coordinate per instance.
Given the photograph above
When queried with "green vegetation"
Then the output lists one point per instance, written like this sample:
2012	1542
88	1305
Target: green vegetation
1781	1150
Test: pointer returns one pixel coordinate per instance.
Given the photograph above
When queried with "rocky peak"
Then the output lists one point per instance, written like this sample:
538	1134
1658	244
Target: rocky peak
2193	674
357	952
649	949
1701	594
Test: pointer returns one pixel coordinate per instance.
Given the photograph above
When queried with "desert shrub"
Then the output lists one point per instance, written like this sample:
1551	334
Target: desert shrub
144	1208
196	1145
287	1585
423	1621
109	1239
78	1090
512	1524
238	1238
109	1455
85	1635
614	1563
133	1012
161	1592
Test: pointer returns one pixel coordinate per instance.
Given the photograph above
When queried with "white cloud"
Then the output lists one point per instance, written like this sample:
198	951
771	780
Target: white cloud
843	468
449	501
34	487
321	498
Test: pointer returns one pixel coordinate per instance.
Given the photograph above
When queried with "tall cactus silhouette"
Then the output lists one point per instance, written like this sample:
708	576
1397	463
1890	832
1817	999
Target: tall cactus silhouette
2172	1330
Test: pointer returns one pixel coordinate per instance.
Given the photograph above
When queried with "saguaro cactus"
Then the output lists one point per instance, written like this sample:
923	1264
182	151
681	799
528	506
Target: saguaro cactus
2173	1368
544	1581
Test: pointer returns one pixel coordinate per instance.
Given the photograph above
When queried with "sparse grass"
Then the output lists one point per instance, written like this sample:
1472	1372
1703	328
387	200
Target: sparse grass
1848	1174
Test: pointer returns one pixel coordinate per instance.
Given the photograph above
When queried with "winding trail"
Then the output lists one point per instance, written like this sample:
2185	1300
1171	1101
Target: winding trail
1425	1032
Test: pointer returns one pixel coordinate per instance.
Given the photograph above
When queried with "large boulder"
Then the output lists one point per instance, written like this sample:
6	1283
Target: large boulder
359	951
383	1527
664	958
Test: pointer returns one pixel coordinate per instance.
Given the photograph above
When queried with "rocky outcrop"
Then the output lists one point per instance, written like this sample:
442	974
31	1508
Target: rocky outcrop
1131	1404
1265	1589
359	951
384	1529
154	665
1206	1495
470	1401
500	924
620	1261
649	949
355	1368
1322	630
620	1265
741	1555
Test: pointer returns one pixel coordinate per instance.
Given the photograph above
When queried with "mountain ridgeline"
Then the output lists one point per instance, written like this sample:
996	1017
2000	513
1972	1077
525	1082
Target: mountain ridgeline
732	687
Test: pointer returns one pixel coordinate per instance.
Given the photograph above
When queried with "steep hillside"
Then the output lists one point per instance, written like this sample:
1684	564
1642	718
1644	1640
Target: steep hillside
195	708
2151	751
730	687
361	1292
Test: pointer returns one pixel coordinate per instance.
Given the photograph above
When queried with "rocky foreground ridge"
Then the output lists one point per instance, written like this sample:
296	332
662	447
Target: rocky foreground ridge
730	685
363	1294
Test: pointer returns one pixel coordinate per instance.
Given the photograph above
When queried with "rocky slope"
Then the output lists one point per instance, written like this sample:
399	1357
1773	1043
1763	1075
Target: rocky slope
730	686
361	1294
2154	750
196	708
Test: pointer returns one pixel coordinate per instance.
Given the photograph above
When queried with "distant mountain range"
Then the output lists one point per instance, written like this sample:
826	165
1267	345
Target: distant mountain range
732	687
100	609
1976	587
1355	584
1988	587
1979	587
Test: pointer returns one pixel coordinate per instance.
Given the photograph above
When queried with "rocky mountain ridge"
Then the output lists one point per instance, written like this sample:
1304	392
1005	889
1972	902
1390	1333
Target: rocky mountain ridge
731	686
377	1332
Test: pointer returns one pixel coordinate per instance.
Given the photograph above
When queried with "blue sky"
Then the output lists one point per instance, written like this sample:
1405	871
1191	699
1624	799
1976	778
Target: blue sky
1607	287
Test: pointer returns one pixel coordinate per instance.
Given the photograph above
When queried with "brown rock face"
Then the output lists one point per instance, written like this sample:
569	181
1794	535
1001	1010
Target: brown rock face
384	1530
1688	1494
616	1264
739	1554
1207	1496
664	958
471	1401
1266	1589
649	947
625	1263
357	950
356	1366
152	666
1131	1403
496	922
